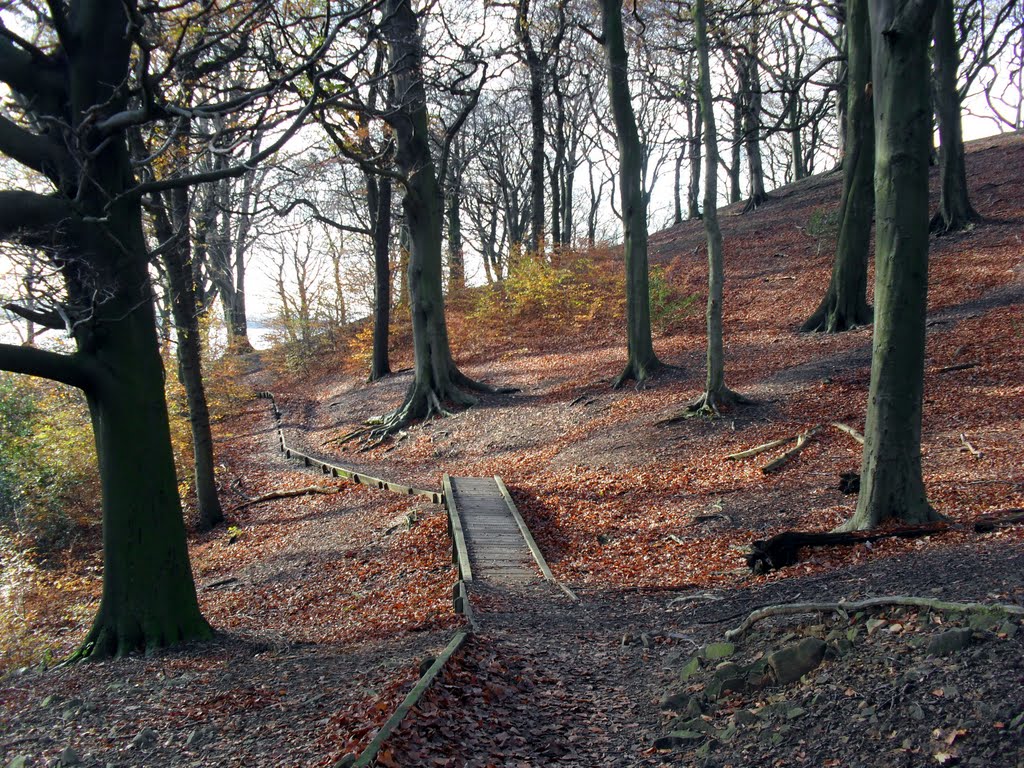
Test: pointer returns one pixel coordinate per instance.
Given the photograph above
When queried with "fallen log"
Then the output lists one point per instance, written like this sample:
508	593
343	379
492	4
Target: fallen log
783	549
990	523
794	609
286	493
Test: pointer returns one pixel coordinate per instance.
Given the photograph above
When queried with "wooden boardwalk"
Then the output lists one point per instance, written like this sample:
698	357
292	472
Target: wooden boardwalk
498	546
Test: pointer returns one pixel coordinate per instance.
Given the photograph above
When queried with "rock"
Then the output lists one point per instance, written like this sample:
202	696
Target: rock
1009	629
985	620
715	651
689	669
70	757
795	712
791	663
874	625
145	738
759	675
816	630
18	762
838	648
675	702
677	739
46	702
745	717
950	641
645	640
728	669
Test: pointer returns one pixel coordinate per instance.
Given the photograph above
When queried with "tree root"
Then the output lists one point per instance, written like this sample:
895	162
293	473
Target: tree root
638	372
793	609
711	404
284	494
801	442
827	318
756	201
422	402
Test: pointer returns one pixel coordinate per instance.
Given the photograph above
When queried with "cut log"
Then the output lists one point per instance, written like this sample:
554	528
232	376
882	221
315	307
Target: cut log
959	367
801	443
761	448
849	430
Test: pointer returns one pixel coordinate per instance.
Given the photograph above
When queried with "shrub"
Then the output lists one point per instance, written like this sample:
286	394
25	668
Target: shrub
669	306
48	480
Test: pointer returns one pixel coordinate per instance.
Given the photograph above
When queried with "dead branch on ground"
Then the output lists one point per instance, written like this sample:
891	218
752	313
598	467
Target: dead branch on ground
793	609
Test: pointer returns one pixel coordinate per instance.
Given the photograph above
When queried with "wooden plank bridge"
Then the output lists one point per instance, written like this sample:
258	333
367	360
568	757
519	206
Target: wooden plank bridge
492	542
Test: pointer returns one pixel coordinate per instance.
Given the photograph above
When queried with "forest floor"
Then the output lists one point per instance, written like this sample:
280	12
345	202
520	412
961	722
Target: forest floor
327	605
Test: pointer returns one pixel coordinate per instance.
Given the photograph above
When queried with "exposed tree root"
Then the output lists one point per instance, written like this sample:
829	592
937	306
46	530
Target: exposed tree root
711	404
783	549
991	522
830	318
638	372
756	201
284	494
923	514
794	609
112	639
949	221
422	402
801	442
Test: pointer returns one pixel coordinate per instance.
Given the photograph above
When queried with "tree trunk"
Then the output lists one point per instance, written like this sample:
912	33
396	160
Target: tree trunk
751	81
735	189
891	481
677	193
149	598
696	143
535	67
436	379
955	210
716	393
641	359
456	265
380	200
845	303
172	229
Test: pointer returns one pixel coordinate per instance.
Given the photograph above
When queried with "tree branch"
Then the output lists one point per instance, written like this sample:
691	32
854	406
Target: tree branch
20	70
67	369
51	320
27	148
22	211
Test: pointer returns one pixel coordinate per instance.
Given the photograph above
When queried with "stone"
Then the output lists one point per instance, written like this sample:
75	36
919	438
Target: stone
950	641
759	675
985	620
145	738
675	702
677	739
689	669
728	669
18	762
838	648
874	625
715	651
69	757
794	661
745	717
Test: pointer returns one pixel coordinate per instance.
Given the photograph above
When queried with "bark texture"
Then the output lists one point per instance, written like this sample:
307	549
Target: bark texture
891	480
845	304
641	358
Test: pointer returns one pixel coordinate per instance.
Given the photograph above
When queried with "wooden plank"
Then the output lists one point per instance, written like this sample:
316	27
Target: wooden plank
458	537
537	555
369	755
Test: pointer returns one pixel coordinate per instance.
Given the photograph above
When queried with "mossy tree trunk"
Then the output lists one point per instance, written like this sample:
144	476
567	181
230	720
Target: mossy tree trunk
891	480
845	304
955	210
641	360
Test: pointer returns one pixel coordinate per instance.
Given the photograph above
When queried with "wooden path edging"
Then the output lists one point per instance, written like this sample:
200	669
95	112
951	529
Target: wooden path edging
370	753
530	541
334	470
460	554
